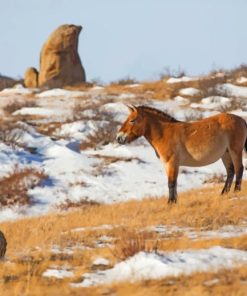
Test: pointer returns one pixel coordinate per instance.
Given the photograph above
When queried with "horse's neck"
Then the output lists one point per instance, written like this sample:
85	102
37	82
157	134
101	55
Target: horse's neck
154	130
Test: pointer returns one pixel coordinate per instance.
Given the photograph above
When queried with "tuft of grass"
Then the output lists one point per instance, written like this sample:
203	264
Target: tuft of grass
208	85
80	86
68	204
215	179
14	188
15	105
131	242
125	81
12	132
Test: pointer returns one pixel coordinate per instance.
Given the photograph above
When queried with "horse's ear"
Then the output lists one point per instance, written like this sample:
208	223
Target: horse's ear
131	108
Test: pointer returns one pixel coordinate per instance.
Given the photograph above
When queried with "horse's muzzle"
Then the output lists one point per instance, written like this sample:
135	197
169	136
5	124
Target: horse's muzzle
121	138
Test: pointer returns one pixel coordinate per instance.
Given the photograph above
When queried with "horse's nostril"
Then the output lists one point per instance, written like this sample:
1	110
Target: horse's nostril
120	139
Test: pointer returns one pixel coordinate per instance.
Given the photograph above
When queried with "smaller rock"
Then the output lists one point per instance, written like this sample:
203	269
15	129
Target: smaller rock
31	78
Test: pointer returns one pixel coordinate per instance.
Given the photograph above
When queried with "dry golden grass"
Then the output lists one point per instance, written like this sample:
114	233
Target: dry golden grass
79	86
162	90
197	208
159	89
30	243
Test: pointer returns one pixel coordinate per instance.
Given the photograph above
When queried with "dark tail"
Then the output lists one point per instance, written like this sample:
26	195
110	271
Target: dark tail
245	145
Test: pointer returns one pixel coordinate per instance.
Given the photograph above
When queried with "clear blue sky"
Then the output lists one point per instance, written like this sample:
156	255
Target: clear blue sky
136	38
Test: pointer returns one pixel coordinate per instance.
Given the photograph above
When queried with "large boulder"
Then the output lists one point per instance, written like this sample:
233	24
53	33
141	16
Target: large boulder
60	63
31	78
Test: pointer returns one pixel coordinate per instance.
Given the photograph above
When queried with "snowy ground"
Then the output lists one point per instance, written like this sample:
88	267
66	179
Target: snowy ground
83	164
103	173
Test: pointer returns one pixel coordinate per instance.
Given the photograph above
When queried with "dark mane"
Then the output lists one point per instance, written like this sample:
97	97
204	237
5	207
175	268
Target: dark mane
162	115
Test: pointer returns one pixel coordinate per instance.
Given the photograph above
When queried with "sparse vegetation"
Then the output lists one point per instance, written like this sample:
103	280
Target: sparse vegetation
68	204
125	81
11	133
15	105
168	72
131	242
14	188
208	85
80	86
104	136
236	73
6	82
215	179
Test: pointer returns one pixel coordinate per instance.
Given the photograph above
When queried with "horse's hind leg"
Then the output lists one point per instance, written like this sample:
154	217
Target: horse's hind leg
227	161
238	167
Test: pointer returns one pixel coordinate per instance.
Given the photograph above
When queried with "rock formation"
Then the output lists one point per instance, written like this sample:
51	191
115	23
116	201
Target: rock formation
60	63
31	78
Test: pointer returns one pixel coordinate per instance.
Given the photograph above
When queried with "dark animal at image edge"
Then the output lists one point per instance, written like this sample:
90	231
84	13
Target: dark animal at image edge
192	144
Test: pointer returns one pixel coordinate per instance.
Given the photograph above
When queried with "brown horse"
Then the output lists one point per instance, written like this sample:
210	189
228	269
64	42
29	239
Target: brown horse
192	144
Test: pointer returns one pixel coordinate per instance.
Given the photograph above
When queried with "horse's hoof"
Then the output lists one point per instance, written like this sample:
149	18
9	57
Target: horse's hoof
172	201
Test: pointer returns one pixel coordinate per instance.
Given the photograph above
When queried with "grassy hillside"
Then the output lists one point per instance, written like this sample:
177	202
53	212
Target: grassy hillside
74	238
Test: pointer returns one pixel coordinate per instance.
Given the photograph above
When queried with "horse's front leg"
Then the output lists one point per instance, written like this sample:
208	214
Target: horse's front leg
172	174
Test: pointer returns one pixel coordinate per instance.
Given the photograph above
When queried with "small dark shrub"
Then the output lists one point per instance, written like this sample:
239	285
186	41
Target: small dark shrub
6	82
14	188
125	81
11	133
17	105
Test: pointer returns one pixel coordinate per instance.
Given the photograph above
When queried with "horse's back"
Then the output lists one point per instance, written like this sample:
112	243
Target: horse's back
223	122
235	127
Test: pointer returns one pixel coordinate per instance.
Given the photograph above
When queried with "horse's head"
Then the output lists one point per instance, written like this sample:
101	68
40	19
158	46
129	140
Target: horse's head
133	127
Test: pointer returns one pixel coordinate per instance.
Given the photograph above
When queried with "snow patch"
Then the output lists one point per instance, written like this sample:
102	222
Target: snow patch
80	130
213	103
58	273
148	266
101	261
241	80
126	96
189	91
233	90
181	100
17	90
58	92
181	79
46	112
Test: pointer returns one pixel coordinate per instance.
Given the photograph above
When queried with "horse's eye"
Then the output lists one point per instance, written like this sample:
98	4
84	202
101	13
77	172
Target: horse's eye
132	121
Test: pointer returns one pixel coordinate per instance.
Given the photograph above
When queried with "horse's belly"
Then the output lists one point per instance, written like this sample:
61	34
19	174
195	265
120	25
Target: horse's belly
204	157
197	163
